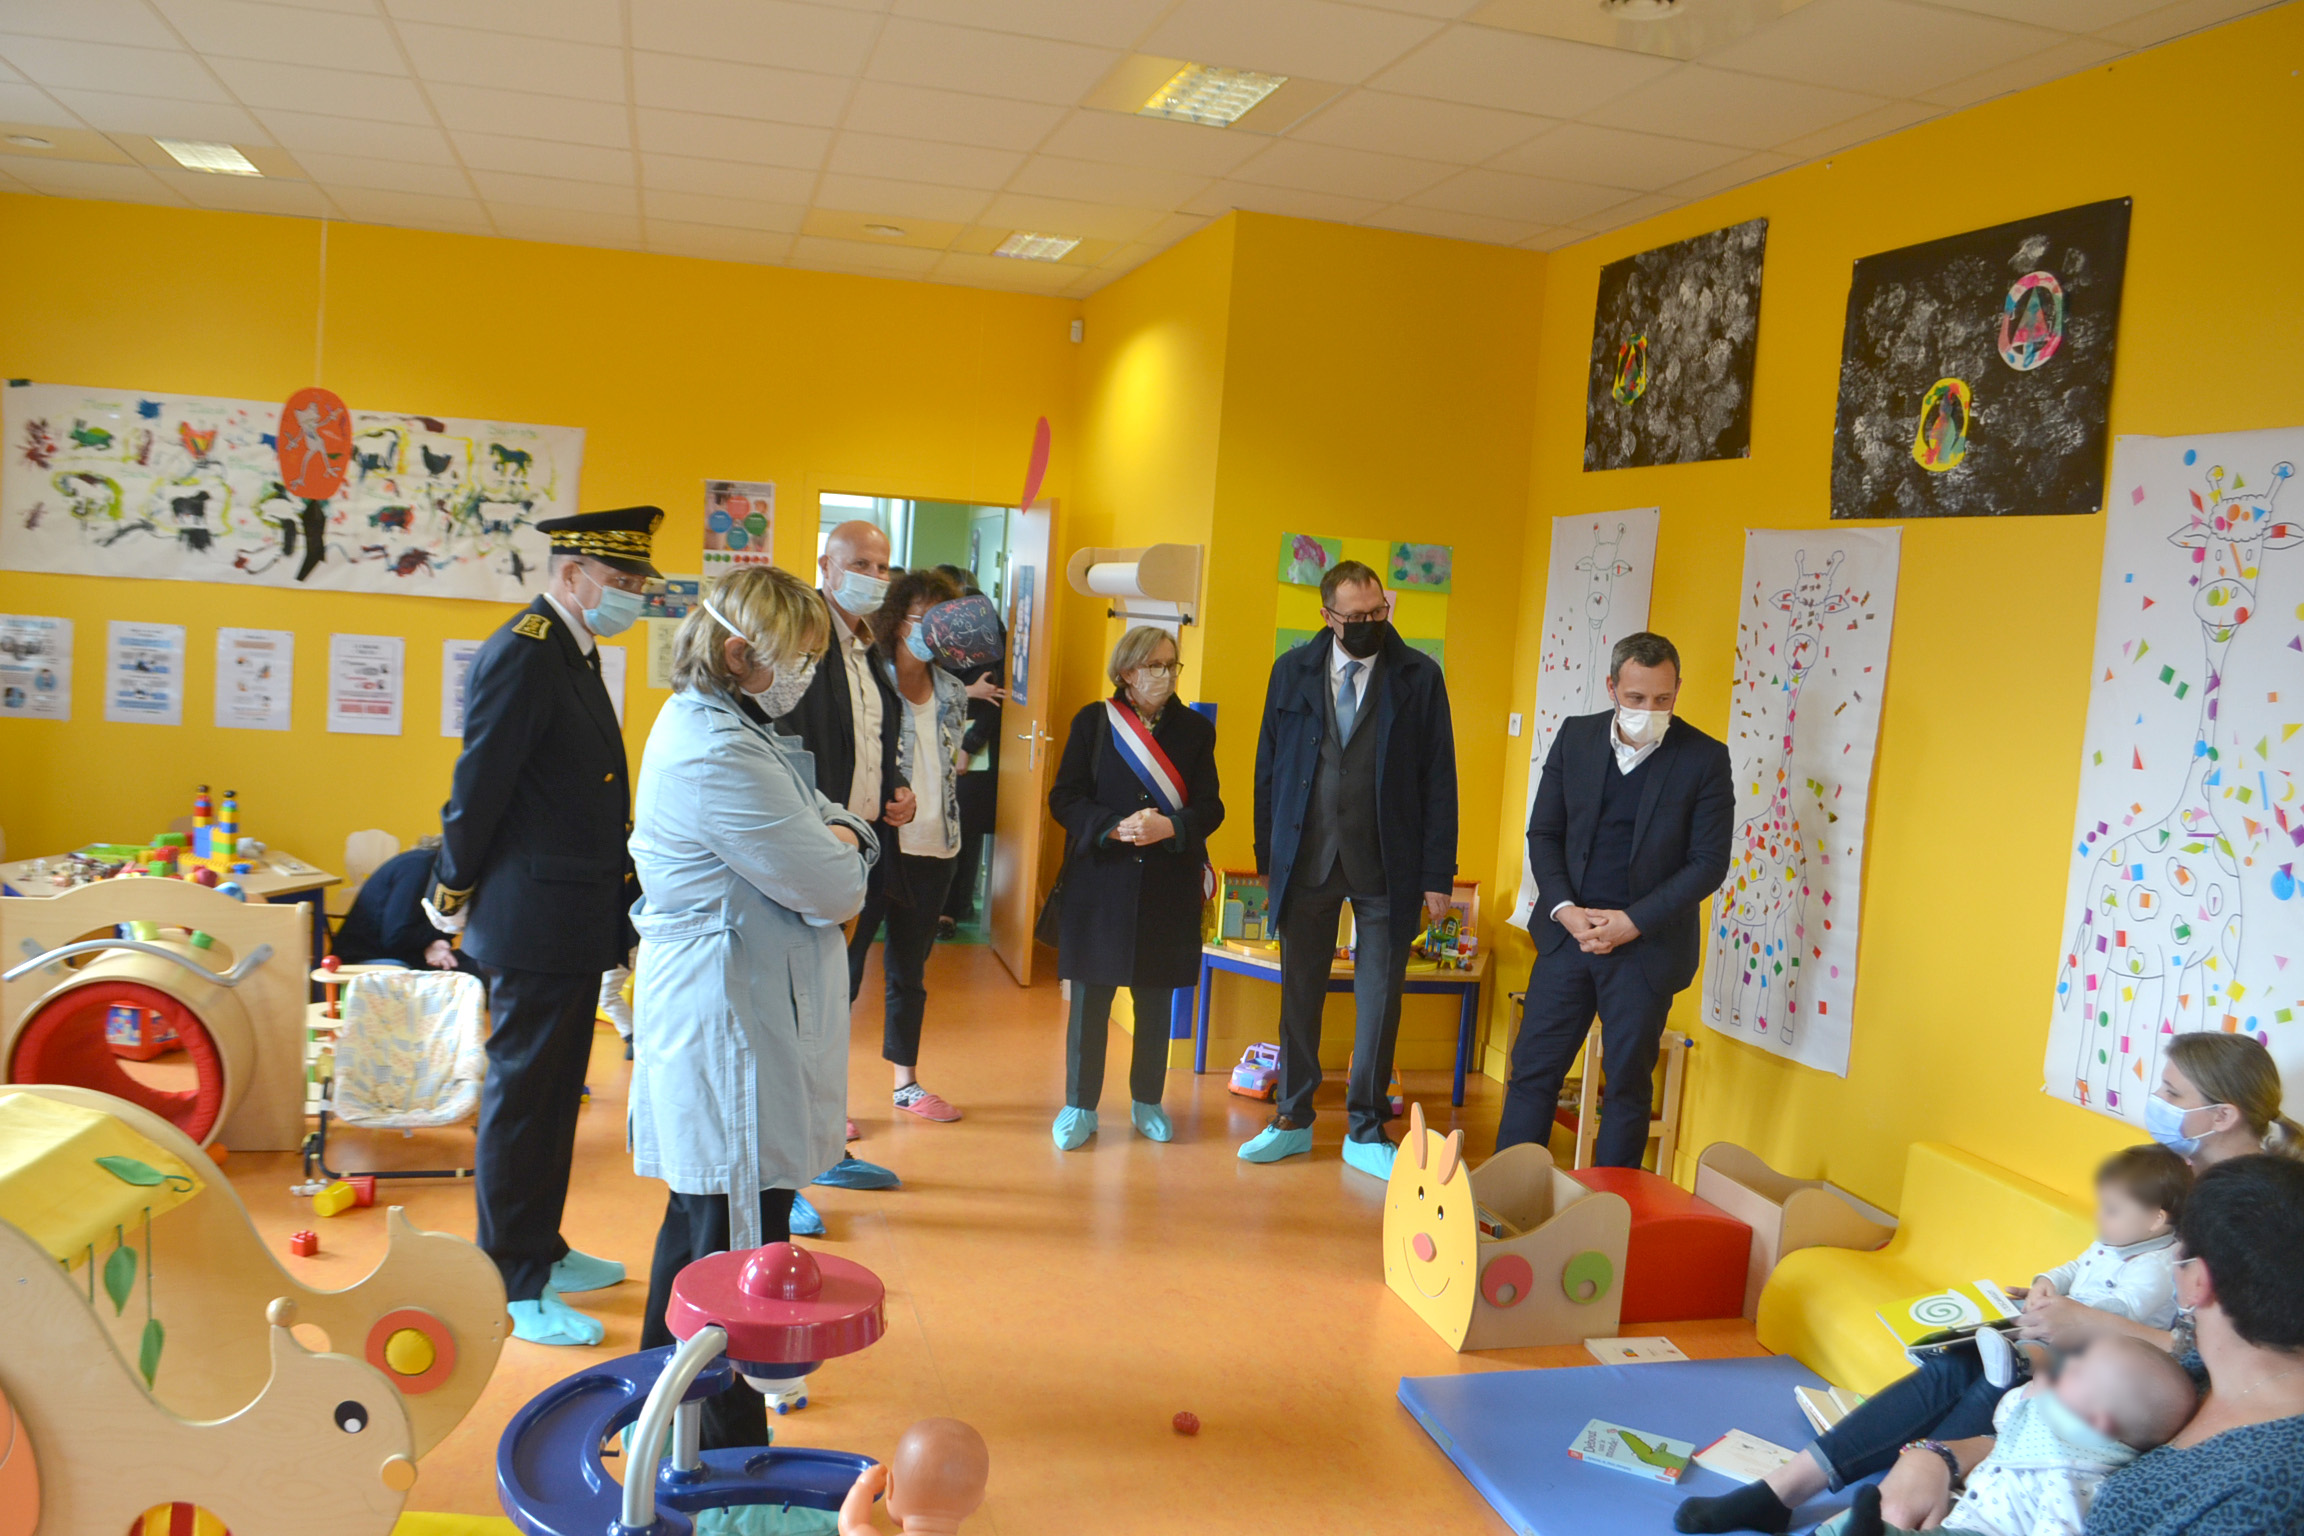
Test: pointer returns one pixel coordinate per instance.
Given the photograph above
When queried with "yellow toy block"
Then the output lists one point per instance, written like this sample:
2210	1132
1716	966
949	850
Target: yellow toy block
1962	1219
335	1200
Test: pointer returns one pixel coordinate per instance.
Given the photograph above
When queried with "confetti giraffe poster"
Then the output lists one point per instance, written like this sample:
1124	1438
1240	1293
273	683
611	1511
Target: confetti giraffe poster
1812	636
2181	910
1595	595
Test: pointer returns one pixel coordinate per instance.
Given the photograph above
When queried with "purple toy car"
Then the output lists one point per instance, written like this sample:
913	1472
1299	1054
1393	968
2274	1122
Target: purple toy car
1258	1075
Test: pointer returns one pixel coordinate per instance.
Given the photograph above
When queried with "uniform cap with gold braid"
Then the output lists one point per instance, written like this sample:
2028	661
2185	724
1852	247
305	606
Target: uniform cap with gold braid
621	538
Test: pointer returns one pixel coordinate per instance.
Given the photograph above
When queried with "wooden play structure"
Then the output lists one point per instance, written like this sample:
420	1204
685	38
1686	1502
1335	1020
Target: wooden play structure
429	1319
227	976
1512	1253
1784	1213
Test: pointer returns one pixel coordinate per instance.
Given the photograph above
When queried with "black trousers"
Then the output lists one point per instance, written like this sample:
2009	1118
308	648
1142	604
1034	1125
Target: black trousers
696	1227
911	935
960	901
1565	989
539	1044
1307	949
1091	1032
875	908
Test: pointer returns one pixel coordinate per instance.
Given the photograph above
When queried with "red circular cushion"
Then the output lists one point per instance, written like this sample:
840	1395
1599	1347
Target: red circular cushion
63	1042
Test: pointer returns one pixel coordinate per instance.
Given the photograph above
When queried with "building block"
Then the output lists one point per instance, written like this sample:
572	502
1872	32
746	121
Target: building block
304	1244
1685	1258
1784	1213
335	1200
363	1189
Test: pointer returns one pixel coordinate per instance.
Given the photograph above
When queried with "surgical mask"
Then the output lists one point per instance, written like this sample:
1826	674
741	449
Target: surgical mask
917	643
2164	1123
1152	687
1363	638
1643	726
859	593
615	611
783	696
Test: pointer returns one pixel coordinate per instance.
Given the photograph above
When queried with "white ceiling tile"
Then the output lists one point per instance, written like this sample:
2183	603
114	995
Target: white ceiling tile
855	256
108	67
1290	201
725	178
1554	239
575	21
283	34
1611	157
713	242
894	159
9	183
2065	15
339	92
385	175
1883	47
545	157
1734	174
80	178
737	90
1538	75
733	212
732	138
1696	102
1344	172
523	114
1174	227
554	68
1878	123
372	205
777	32
1088	181
1531	199
1103	23
1315	38
1455	226
993	63
1156	143
90	21
498	188
900	199
2176	20
1416	125
914	112
567	226
2069	57
302	131
1006	272
250	194
1062	216
159	117
1631	211
30	104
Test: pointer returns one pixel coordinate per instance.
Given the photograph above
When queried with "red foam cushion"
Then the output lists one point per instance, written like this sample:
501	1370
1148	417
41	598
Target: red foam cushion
1686	1257
63	1042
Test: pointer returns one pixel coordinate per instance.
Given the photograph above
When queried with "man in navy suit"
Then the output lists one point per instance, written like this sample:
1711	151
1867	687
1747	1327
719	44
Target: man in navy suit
1630	833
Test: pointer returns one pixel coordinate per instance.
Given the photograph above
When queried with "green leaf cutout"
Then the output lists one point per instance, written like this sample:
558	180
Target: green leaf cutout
148	1356
129	1171
120	1277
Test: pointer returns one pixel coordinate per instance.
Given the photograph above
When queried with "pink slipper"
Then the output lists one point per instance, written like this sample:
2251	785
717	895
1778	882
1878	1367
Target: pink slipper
928	1106
853	1133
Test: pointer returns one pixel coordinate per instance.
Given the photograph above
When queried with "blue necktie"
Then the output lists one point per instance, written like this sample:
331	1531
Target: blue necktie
1347	700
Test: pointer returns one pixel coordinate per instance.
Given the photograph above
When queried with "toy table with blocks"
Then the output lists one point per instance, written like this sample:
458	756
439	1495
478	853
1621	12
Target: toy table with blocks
1784	1213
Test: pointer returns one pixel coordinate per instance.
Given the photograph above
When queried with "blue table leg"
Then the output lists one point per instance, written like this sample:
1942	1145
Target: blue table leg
1467	1020
1200	1039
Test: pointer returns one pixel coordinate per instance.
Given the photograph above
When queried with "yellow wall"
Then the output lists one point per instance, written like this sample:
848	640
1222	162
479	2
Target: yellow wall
1988	677
676	369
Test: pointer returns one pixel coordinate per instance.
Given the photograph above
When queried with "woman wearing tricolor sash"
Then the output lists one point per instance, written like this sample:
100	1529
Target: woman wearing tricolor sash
1137	795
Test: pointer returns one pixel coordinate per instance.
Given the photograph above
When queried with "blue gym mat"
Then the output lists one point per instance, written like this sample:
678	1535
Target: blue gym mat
1508	1432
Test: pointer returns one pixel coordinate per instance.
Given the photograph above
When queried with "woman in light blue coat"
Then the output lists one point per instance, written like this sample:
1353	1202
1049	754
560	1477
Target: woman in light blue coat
740	1071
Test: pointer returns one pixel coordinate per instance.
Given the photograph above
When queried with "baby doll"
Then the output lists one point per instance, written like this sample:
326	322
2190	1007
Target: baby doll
935	1481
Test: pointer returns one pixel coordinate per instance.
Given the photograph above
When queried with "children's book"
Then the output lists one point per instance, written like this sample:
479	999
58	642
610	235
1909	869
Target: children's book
1947	1314
1745	1457
1826	1406
1632	1450
1633	1351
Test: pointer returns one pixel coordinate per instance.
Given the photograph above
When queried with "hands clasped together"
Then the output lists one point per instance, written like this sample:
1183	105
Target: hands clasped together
1595	930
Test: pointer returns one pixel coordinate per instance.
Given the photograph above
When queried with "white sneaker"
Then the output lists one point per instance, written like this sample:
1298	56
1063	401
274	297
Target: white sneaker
1999	1357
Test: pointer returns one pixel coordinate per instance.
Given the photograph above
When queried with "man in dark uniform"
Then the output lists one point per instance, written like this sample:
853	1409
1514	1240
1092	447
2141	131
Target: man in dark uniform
533	871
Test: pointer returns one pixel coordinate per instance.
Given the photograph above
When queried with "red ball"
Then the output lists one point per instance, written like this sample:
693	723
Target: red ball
329	962
1187	1423
203	876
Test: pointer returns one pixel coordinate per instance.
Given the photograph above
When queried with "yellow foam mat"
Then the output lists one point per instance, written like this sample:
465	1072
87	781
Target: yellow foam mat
415	1524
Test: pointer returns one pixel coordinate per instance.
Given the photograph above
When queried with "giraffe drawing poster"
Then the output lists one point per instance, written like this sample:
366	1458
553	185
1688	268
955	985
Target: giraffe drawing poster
1812	633
2181	910
188	488
1595	595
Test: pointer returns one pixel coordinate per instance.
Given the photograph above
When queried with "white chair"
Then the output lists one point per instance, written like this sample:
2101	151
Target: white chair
364	854
408	1056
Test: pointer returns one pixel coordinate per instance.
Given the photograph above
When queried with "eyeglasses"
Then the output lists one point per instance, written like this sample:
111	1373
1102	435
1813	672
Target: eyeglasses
1354	618
1161	668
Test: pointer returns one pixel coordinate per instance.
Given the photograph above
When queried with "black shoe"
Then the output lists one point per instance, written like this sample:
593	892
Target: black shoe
947	929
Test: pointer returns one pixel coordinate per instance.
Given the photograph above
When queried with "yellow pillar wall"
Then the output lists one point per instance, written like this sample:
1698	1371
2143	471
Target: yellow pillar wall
1988	678
676	369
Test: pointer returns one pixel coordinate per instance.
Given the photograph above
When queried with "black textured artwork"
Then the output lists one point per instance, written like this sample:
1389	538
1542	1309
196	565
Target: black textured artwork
1673	338
1976	371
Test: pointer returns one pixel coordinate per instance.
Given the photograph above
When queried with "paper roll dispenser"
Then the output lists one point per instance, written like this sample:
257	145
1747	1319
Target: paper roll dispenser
1155	584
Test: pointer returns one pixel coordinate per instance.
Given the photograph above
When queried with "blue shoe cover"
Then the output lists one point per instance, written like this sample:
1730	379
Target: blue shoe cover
1373	1158
582	1272
1151	1121
807	1221
1074	1127
549	1320
1273	1143
855	1173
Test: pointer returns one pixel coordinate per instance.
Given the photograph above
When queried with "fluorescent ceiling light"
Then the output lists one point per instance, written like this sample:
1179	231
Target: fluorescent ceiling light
194	155
31	141
1210	95
1036	247
885	231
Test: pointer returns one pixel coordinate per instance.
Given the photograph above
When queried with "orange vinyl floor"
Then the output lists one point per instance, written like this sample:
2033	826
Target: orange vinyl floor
1066	1304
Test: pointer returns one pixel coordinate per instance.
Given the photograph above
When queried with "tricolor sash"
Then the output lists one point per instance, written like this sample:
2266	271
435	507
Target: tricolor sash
1133	741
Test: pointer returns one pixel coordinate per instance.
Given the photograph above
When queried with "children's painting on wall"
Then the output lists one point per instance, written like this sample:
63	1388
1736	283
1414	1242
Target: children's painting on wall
1976	371
1305	558
187	488
1811	660
1595	595
1422	567
2181	910
1674	337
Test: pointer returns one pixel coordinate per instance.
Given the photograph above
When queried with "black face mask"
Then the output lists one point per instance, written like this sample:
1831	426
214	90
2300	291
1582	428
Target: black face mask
1363	637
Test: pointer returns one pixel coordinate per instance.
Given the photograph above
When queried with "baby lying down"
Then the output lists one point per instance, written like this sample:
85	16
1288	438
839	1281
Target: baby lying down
2059	1438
